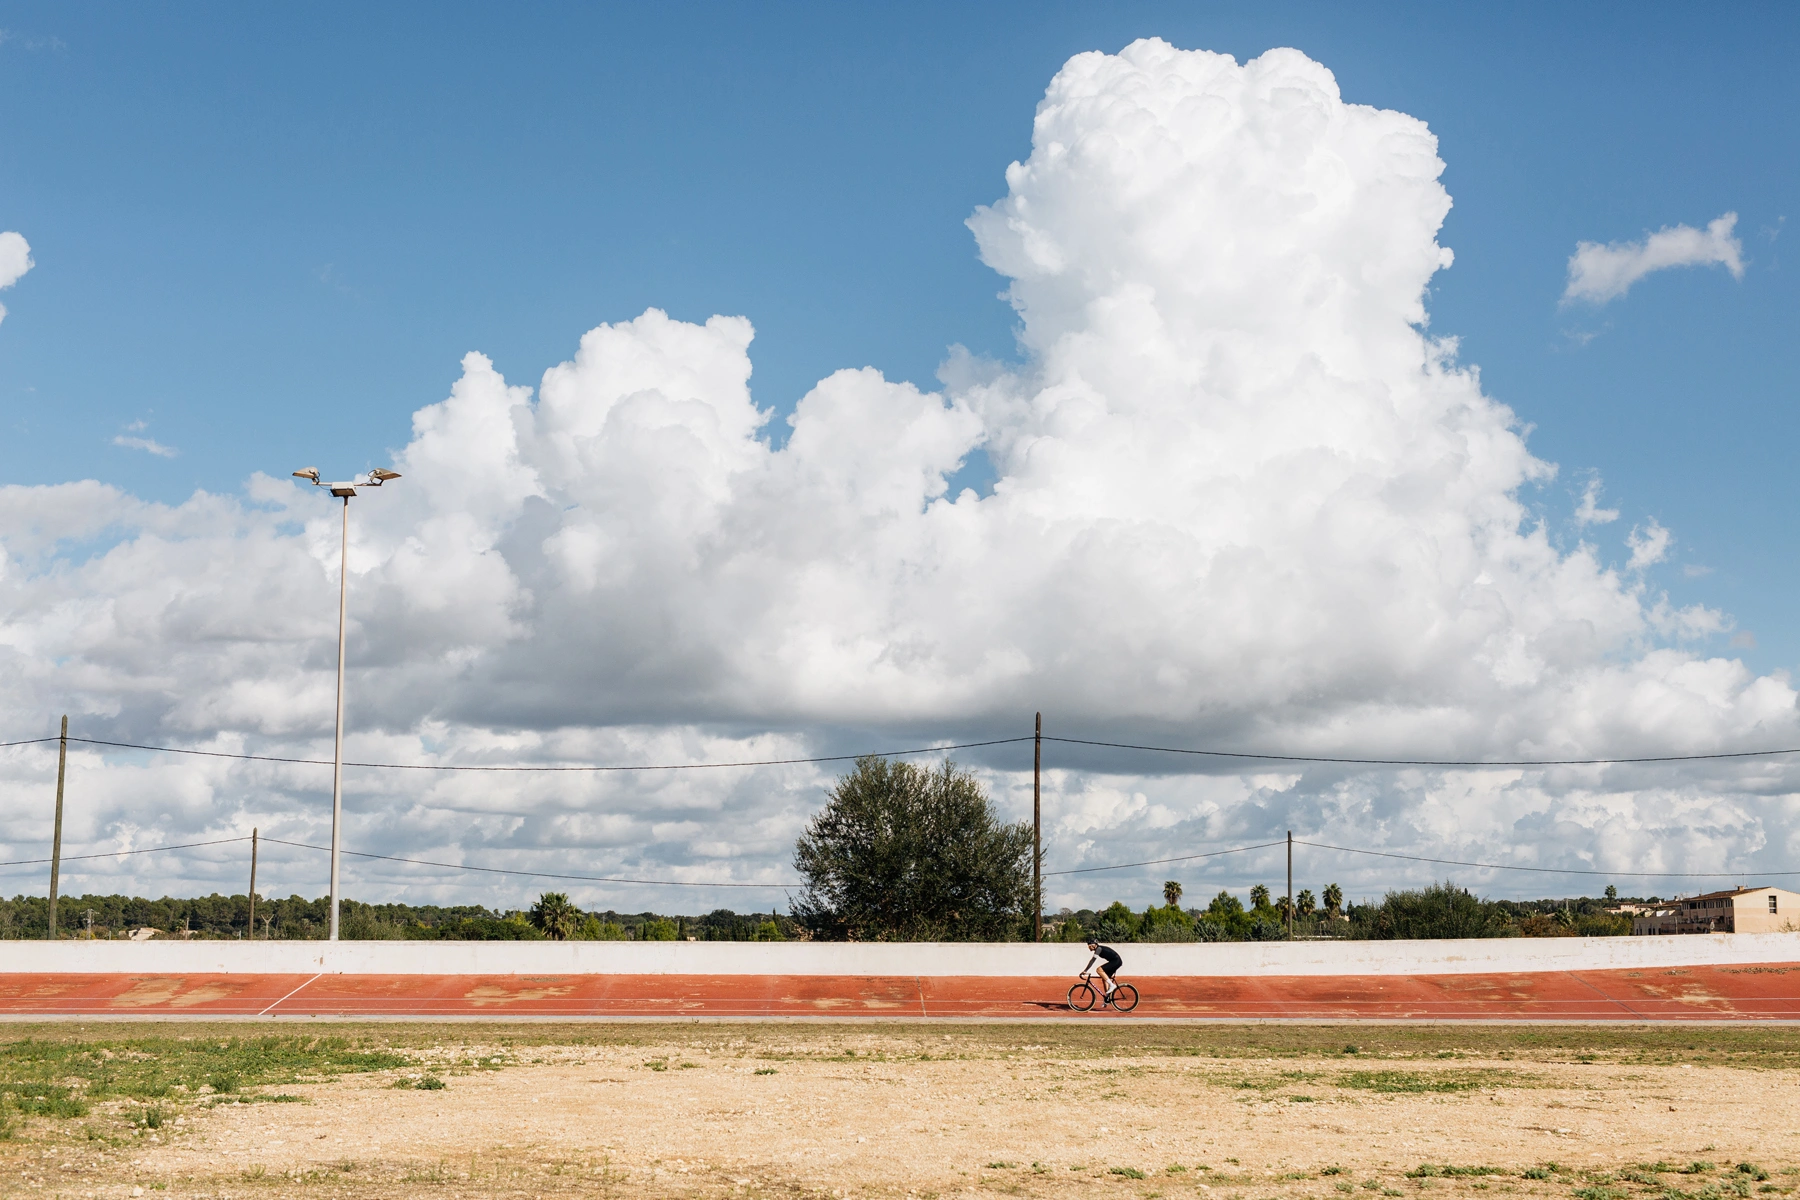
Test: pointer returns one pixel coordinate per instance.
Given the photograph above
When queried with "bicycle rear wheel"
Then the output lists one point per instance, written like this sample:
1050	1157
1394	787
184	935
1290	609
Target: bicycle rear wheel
1124	997
1081	997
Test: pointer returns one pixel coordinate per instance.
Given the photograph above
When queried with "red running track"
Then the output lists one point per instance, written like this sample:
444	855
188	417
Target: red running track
1739	993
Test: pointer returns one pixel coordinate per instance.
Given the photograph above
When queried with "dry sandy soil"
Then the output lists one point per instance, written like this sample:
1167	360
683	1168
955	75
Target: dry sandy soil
1220	1113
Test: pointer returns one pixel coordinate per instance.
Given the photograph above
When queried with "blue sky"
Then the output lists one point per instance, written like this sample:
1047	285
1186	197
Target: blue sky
269	235
266	237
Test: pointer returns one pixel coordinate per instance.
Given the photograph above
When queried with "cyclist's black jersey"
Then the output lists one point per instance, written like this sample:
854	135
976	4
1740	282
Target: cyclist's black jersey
1110	957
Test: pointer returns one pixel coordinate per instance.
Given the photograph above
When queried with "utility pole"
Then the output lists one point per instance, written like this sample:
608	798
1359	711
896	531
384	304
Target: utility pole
1037	832
62	762
1290	894
253	881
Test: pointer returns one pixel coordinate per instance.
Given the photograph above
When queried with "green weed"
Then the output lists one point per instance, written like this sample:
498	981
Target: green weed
1414	1082
1127	1172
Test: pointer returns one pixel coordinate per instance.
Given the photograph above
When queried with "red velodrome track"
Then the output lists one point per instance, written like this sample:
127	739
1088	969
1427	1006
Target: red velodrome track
1768	992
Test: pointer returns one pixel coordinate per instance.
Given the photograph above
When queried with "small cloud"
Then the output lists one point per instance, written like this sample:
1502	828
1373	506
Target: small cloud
32	43
1696	571
1744	639
333	278
1649	545
1600	273
1771	232
1589	512
15	260
147	445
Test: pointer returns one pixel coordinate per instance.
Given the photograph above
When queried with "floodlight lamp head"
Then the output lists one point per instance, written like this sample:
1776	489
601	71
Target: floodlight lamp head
381	475
311	473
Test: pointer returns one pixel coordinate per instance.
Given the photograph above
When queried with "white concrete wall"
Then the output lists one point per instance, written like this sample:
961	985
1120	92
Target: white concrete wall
894	959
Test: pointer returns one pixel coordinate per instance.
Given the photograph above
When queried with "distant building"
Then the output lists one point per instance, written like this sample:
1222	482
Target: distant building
1741	910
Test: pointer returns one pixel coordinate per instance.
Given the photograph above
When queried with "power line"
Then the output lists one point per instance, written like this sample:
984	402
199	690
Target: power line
1155	862
700	766
423	862
26	862
1425	762
782	762
1549	870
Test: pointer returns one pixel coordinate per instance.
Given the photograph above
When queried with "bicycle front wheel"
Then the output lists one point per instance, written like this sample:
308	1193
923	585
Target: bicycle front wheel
1124	997
1081	997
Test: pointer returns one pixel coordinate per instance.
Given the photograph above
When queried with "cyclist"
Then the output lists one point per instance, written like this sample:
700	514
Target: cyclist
1109	961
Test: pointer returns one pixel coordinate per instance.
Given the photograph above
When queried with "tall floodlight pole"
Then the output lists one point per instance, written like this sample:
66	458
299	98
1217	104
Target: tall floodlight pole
343	491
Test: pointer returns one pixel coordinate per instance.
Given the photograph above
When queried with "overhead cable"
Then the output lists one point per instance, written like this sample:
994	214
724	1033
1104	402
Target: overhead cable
1159	861
1549	870
1244	755
26	862
423	862
530	767
1424	762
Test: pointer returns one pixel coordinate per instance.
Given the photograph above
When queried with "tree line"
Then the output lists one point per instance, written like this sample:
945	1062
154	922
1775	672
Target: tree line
899	852
299	919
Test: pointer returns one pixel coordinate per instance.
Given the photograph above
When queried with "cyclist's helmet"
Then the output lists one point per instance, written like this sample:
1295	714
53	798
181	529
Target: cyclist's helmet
1093	942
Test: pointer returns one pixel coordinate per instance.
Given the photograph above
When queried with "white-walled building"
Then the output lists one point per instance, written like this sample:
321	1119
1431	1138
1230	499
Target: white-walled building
1741	910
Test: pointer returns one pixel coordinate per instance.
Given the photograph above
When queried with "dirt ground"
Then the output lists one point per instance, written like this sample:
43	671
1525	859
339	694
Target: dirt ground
1251	1113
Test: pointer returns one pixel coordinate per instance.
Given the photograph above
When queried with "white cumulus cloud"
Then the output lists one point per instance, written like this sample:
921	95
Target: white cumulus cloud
1242	500
1601	272
15	260
1589	512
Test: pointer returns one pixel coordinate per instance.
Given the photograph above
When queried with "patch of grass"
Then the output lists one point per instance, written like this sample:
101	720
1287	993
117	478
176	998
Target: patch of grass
430	1083
1331	1170
1127	1172
1536	1172
1753	1171
1002	1166
1300	1099
59	1076
1595	1191
1434	1171
1414	1082
38	1099
765	1071
149	1117
1174	1169
1697	1167
1343	1185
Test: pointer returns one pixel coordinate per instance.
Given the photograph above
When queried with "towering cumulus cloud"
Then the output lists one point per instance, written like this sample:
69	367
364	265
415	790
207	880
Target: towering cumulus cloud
1242	499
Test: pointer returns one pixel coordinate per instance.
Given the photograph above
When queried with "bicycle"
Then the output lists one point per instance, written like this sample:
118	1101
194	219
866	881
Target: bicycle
1084	995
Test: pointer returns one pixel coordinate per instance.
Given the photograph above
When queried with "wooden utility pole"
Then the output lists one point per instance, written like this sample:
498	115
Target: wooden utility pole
1290	894
1037	832
253	881
62	762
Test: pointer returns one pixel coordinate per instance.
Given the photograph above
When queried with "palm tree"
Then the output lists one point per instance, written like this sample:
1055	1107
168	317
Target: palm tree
1306	905
1171	893
1259	896
556	916
1334	899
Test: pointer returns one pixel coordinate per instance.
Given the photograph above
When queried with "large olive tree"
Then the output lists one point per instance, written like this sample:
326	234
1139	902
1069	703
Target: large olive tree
906	853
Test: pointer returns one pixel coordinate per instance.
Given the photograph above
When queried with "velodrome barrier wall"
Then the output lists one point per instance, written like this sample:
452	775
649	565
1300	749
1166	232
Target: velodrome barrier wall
1473	956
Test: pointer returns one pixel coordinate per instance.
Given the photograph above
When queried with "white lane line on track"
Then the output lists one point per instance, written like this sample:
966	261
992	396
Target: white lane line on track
291	995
